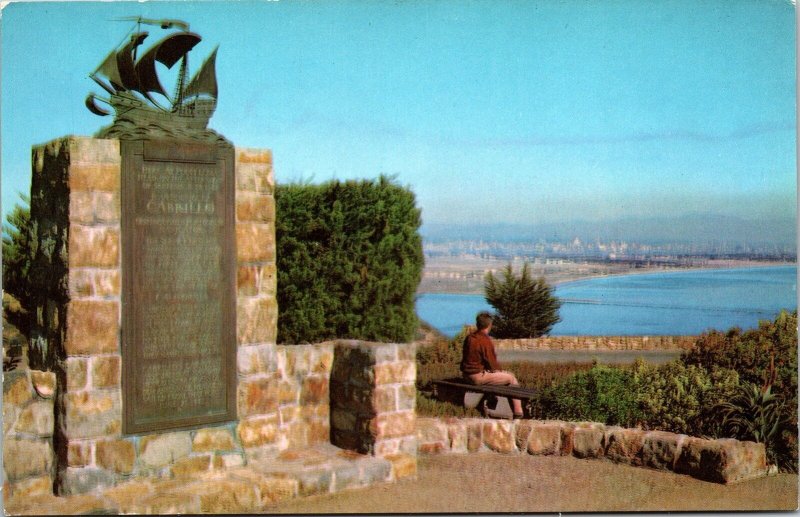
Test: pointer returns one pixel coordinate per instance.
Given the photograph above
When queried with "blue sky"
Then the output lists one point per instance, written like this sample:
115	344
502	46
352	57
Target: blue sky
491	111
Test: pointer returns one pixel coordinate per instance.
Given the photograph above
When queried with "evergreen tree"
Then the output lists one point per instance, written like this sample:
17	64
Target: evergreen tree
526	307
17	256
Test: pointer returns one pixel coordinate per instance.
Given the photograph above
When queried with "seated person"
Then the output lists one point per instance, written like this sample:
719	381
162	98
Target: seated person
479	363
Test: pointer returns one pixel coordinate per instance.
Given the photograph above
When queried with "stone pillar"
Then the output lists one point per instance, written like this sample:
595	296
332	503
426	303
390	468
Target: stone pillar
76	271
373	400
75	220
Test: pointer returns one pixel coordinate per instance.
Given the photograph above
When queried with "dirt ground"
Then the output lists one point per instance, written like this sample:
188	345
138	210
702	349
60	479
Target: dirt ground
493	483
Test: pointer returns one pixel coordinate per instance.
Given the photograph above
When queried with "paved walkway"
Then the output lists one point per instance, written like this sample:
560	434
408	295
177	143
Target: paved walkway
495	483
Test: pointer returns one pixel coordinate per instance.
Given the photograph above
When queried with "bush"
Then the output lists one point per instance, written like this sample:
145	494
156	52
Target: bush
349	258
681	399
602	394
526	308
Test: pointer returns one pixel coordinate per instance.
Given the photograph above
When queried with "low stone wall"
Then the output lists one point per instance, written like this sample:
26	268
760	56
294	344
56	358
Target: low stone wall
720	461
598	343
28	423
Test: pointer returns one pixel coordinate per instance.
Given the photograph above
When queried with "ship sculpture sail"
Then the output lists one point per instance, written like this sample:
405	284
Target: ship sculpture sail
132	84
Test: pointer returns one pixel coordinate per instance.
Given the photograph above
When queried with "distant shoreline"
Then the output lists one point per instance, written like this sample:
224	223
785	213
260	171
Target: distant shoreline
577	277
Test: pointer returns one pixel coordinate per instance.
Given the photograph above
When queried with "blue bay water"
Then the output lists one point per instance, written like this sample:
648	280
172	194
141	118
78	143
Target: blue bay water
654	304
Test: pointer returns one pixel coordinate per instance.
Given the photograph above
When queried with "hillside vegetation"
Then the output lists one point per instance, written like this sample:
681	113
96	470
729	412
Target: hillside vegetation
731	384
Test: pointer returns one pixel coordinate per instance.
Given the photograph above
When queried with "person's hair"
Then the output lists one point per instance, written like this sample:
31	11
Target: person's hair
483	320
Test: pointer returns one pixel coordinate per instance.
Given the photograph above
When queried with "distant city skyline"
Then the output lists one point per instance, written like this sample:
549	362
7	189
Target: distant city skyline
520	112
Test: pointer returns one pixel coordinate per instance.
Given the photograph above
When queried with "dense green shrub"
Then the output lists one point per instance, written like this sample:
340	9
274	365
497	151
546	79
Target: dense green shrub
765	357
349	258
602	394
679	398
526	307
768	353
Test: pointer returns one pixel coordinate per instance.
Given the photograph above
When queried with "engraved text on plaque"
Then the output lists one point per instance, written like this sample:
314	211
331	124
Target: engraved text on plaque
178	285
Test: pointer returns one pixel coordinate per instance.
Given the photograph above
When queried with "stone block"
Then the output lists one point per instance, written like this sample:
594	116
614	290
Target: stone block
44	383
10	415
93	247
107	207
92	413
457	435
92	327
474	435
247	280
17	388
314	482
375	470
31	487
722	461
272	489
257	396
254	432
190	466
228	461
256	321
105	371
406	397
588	442
106	283
267	280
115	455
255	242
345	475
314	391
624	445
253	207
255	359
88	177
661	449
76	373
403	465
213	439
384	399
322	360
544	439
522	432
82	480
83	149
126	496
81	207
499	436
160	450
567	439
79	453
393	425
385	353
396	372
80	282
36	418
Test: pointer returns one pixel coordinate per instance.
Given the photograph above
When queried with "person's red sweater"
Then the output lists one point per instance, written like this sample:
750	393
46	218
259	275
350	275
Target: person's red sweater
478	354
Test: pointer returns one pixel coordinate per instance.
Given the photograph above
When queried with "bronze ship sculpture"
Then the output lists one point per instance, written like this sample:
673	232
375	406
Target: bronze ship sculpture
141	104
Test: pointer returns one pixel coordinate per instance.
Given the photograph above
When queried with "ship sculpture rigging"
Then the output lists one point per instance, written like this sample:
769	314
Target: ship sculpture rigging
135	93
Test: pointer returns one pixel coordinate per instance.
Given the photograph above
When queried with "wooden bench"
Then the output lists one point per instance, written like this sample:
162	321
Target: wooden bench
487	396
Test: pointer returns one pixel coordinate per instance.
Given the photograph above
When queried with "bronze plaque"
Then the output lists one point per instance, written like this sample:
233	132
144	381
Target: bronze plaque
178	276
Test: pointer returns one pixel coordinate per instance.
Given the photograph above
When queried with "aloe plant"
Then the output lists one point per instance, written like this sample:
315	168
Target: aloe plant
755	414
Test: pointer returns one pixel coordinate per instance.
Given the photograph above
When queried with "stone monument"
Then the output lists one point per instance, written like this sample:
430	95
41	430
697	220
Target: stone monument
147	236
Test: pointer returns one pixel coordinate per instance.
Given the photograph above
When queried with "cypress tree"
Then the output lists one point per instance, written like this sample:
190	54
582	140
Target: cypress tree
526	307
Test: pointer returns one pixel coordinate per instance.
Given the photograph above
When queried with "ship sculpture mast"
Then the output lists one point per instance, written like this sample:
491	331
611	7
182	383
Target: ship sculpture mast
131	80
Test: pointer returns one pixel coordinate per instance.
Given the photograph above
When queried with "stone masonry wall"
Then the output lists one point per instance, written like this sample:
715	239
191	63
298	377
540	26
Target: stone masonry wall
373	400
598	343
28	455
721	461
